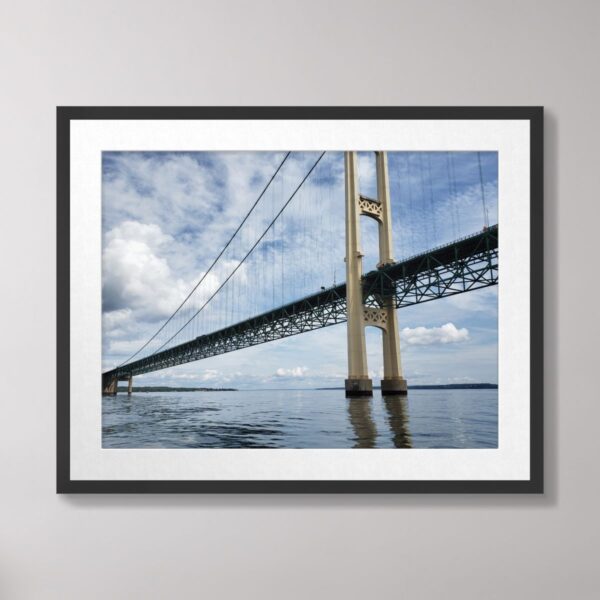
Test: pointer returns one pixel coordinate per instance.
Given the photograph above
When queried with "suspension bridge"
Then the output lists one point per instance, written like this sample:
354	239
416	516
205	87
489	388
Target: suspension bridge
266	283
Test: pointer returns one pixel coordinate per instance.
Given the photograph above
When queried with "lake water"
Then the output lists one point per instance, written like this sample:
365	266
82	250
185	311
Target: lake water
301	419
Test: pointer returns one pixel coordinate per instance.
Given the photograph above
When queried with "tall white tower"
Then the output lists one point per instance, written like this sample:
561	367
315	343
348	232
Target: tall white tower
359	316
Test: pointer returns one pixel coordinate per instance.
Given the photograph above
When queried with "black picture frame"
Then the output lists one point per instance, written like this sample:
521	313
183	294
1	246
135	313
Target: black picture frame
64	483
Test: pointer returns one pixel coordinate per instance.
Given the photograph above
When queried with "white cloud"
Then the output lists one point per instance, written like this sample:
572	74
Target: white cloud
424	336
116	319
294	372
121	347
210	375
136	276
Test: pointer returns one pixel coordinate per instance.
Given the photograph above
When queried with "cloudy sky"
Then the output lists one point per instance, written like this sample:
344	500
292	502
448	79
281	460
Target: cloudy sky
166	217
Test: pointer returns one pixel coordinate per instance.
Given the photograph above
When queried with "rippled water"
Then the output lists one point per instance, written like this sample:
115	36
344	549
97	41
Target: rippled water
300	419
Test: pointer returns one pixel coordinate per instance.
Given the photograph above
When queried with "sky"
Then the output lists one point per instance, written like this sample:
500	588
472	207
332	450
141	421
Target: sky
167	215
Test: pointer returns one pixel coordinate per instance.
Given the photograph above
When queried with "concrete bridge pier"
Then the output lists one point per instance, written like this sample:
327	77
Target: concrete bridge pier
109	385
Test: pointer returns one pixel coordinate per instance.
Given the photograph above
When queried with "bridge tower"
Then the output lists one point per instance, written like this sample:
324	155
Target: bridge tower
359	316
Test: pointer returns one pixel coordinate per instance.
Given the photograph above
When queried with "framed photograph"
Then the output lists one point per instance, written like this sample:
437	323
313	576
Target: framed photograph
305	300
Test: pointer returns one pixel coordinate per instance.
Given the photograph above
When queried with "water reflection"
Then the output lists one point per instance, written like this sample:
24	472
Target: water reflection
362	422
301	419
397	411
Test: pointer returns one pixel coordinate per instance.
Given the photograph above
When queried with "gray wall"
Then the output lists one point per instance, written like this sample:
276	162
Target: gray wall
397	53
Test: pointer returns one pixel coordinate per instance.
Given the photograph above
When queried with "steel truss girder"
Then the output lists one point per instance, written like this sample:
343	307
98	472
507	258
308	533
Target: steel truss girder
466	264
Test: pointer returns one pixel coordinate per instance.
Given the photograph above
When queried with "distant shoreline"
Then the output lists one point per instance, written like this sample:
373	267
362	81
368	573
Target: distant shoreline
165	388
448	386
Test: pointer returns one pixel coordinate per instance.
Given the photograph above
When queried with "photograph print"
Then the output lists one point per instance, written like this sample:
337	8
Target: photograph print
300	299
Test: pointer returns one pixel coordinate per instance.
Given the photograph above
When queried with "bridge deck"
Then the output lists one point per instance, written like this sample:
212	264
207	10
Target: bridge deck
466	264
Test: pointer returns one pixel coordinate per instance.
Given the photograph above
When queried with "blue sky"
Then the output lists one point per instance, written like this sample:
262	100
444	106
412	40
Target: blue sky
167	215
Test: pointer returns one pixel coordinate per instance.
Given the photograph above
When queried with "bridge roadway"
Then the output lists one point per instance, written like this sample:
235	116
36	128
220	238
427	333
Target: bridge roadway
466	264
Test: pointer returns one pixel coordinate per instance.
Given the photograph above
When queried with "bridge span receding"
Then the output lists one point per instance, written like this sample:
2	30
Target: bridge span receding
466	264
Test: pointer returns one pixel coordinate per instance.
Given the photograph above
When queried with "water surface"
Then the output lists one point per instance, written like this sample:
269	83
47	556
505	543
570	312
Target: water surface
300	419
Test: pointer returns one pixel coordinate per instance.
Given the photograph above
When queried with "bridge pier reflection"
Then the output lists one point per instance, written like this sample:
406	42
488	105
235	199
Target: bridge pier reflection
362	422
360	411
396	407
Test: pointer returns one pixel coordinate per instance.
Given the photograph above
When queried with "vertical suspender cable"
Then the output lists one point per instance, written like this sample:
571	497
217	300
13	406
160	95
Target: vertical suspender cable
486	220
